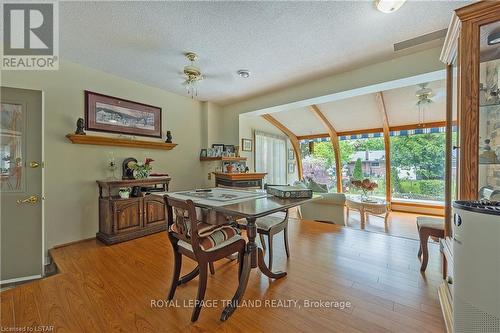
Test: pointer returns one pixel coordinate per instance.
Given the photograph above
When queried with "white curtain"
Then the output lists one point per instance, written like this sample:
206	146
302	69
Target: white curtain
270	157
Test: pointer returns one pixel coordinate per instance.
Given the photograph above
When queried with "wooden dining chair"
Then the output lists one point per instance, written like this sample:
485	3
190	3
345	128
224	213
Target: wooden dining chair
199	241
269	226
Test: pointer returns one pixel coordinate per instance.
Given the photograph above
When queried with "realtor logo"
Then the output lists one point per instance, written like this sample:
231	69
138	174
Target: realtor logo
30	35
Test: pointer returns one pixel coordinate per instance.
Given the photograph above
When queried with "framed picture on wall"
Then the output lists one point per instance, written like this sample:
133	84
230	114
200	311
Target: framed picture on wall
291	167
246	145
290	155
112	114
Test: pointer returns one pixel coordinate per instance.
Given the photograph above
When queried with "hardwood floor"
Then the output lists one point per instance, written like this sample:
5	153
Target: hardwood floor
111	288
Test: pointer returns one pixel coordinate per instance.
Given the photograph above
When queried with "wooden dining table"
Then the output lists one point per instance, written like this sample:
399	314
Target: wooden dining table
251	205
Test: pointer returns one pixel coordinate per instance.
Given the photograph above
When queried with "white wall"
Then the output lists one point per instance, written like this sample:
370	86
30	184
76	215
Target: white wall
71	205
247	128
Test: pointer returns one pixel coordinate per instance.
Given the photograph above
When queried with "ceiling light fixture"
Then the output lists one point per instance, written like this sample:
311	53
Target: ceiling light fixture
388	6
244	73
192	75
423	95
494	38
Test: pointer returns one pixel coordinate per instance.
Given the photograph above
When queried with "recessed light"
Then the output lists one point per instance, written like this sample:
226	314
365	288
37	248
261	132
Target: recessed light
494	38
388	6
244	73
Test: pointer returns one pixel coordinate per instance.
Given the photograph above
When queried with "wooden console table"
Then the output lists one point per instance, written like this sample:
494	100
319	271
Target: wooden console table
250	179
124	219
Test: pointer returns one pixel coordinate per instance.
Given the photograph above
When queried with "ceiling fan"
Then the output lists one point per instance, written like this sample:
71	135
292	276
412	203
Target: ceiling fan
424	98
192	75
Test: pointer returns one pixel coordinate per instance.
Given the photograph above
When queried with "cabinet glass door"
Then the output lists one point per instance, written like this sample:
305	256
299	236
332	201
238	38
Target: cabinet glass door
489	112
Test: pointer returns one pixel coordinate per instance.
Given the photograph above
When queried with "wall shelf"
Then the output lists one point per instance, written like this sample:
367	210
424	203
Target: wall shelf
227	159
109	141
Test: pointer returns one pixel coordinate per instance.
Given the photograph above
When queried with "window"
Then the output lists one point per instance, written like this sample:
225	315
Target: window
417	164
363	156
270	157
318	162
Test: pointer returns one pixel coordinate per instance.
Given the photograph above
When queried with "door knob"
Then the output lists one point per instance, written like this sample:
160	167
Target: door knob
34	164
31	200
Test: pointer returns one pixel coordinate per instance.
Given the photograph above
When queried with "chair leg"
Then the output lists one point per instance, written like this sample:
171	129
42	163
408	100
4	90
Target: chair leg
176	274
202	286
424	238
212	268
261	236
270	251
285	235
419	251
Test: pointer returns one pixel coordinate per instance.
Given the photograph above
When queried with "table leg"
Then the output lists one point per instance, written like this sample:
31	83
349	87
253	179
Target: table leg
264	269
251	245
362	217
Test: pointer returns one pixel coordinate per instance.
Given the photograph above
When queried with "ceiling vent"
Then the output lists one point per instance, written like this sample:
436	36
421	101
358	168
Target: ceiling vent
432	39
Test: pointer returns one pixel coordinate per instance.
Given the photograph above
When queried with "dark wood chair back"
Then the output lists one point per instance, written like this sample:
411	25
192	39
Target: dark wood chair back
182	214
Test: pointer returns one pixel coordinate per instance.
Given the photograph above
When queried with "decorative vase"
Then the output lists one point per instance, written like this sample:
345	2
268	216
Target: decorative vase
141	173
230	168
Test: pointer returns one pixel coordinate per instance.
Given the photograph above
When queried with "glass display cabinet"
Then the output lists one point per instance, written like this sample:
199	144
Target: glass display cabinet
471	53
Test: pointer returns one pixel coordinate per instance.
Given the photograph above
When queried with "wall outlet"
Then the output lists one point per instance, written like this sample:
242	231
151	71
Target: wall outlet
209	176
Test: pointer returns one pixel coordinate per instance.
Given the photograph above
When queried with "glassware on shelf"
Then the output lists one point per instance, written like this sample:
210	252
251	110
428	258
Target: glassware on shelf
112	166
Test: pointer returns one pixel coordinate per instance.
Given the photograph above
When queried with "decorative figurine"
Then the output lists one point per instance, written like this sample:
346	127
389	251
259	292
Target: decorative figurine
80	126
169	137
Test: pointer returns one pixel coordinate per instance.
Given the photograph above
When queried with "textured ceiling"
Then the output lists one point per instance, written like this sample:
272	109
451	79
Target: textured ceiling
361	112
281	43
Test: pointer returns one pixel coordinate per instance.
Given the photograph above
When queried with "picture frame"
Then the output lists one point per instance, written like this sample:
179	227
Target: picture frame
246	145
229	148
291	167
105	113
218	149
291	155
203	153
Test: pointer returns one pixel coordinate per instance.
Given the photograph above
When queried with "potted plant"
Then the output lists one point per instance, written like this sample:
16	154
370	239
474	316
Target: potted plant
142	170
365	185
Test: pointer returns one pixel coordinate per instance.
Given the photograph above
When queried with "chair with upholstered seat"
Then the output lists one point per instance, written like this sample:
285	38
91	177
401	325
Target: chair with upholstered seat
269	226
428	227
202	242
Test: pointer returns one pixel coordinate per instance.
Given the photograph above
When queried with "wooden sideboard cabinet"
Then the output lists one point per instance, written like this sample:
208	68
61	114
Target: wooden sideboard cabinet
124	219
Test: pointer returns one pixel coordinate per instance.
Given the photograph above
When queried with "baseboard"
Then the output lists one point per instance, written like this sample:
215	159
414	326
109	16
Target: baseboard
5	283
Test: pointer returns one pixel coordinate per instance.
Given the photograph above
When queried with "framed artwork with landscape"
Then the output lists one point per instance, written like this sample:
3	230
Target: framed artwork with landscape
116	115
246	145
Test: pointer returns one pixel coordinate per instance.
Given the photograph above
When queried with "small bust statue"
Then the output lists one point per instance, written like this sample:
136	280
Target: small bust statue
80	126
169	137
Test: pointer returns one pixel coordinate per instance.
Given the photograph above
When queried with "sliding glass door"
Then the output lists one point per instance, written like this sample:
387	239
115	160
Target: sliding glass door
270	157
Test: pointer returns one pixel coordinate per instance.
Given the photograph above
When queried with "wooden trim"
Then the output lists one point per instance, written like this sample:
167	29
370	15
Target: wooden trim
377	130
417	204
312	136
293	139
109	141
363	131
402	210
334	141
469	109
477	10
418	126
387	144
220	158
240	176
